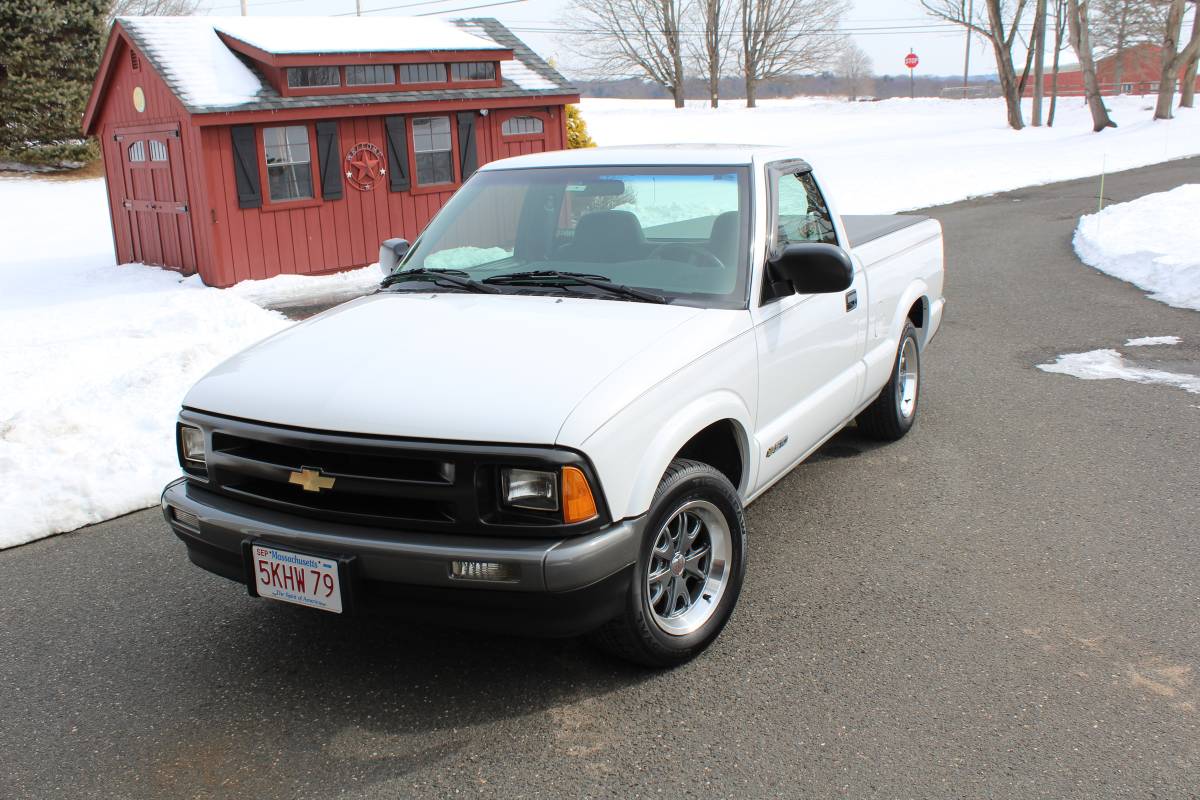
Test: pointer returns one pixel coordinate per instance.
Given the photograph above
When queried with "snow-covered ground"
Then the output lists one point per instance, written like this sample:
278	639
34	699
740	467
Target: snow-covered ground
901	154
1152	242
95	358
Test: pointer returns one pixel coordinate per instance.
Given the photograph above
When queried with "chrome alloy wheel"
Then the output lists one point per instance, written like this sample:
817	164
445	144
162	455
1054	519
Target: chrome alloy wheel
689	566
908	378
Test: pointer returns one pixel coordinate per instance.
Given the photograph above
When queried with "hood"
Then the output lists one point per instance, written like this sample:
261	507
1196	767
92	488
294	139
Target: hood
487	368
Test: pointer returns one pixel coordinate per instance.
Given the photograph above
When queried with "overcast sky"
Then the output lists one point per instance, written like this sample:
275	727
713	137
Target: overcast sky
885	29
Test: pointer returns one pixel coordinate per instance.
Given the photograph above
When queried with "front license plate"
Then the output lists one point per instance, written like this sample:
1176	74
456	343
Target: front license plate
296	578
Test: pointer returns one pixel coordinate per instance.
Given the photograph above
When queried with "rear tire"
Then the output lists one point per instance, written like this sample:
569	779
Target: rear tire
895	410
689	572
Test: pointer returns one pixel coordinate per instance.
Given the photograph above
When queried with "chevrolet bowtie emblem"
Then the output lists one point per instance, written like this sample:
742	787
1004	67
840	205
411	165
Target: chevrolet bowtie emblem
311	480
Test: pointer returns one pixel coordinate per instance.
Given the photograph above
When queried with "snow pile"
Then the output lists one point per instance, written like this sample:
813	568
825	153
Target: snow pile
94	361
287	291
1152	242
1150	341
1108	364
900	154
195	60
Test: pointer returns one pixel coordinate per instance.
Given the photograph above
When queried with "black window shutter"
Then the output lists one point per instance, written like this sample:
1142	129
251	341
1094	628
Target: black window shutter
329	159
468	157
245	167
397	152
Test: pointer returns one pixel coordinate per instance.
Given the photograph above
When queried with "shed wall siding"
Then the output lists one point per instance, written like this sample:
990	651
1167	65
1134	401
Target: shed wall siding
316	237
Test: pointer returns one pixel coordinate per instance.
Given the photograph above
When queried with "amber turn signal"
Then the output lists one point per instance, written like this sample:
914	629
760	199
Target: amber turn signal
578	503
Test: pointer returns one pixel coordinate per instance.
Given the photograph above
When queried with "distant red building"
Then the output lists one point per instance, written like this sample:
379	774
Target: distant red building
1141	71
248	147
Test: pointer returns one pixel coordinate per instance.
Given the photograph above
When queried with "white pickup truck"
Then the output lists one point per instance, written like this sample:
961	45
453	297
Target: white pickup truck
551	415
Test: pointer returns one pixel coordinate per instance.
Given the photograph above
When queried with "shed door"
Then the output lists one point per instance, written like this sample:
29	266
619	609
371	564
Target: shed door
156	197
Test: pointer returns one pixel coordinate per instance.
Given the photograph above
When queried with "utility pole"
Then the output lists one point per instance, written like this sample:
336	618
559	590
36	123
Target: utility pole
245	11
1039	68
357	8
967	57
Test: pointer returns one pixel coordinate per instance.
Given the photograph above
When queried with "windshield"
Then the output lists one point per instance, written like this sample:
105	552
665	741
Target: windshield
679	232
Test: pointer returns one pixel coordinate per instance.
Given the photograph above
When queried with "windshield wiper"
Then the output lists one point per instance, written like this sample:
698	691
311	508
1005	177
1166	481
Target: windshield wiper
455	277
553	277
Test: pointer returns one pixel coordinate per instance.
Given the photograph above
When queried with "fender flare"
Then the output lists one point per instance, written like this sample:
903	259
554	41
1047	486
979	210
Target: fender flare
917	290
675	432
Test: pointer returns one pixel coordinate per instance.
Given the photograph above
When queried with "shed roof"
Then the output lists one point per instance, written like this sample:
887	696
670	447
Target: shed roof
313	35
207	76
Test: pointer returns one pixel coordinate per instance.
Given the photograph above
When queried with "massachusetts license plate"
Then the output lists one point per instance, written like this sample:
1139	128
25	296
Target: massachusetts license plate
295	578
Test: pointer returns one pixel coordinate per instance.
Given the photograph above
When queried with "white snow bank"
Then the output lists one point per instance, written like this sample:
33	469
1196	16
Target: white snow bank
1150	341
1152	242
287	291
1108	364
94	361
900	154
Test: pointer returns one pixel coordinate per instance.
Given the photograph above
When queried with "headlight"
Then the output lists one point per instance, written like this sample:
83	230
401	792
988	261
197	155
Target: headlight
529	488
191	446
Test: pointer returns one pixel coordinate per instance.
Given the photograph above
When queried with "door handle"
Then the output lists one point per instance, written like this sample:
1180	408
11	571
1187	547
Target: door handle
851	299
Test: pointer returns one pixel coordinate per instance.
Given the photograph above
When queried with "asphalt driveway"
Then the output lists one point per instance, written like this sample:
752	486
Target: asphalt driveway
1004	604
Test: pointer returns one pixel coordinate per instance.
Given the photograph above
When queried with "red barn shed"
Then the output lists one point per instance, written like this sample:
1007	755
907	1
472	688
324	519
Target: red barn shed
248	147
1141	71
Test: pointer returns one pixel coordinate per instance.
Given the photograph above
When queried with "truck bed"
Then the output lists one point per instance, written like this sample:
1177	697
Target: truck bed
864	228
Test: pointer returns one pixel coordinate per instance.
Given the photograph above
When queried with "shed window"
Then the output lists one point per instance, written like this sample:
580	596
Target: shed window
158	150
137	151
422	73
432	146
370	74
473	71
300	77
289	167
518	126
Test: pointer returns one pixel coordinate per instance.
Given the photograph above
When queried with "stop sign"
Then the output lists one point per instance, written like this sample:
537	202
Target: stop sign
911	61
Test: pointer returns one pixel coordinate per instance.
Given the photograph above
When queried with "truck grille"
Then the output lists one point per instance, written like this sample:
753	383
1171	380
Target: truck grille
376	481
348	480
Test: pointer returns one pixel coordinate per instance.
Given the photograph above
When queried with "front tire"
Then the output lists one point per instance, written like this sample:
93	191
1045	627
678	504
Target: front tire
689	572
895	410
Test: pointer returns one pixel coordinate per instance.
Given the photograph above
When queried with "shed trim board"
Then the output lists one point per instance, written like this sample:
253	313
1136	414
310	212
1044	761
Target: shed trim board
196	208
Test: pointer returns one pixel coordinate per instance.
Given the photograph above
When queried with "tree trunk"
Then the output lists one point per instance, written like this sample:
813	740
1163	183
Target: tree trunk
1039	64
714	90
1119	67
751	92
1009	83
1081	41
1166	81
1187	96
1059	22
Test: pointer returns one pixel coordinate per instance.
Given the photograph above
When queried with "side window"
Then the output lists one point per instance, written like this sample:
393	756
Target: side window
289	171
802	216
432	146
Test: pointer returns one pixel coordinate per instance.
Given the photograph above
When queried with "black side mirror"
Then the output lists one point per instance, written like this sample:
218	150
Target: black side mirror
391	253
808	268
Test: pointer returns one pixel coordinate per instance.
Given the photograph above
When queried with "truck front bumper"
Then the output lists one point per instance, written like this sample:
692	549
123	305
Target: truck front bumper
558	586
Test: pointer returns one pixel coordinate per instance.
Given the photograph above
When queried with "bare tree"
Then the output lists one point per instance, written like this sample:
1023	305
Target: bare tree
1187	95
784	37
151	8
641	36
1060	36
1117	25
1080	29
855	69
1173	59
1003	20
714	47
